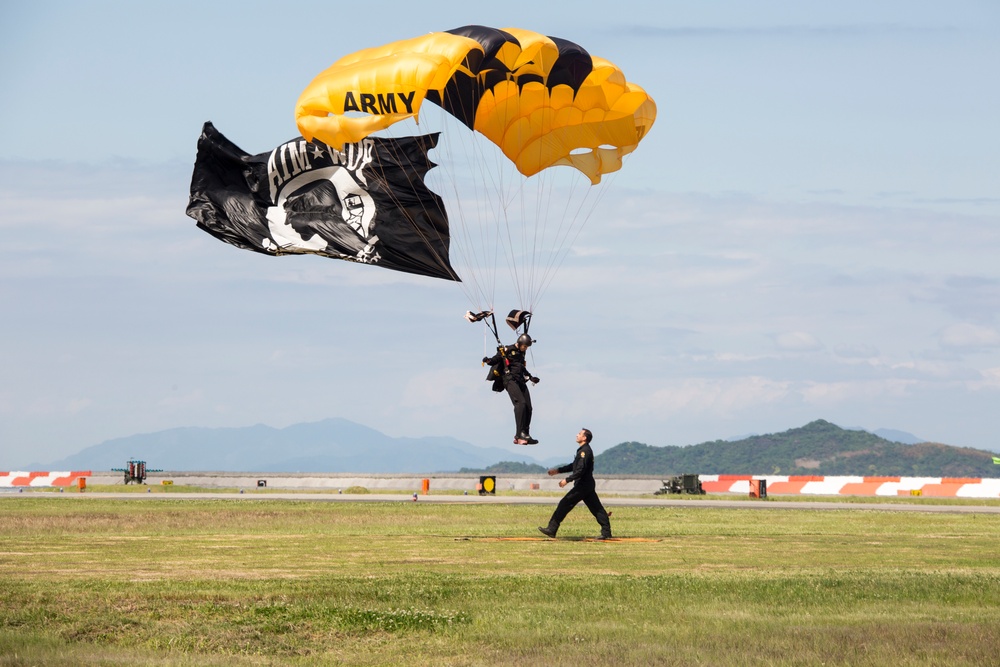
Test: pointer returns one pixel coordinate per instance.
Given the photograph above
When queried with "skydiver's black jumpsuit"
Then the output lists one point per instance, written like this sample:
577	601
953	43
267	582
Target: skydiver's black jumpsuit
513	377
584	488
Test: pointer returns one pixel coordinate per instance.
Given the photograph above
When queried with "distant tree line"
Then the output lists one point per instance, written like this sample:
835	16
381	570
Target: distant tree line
819	448
508	467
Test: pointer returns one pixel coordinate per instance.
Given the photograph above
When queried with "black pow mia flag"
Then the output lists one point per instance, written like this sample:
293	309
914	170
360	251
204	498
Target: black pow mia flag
366	203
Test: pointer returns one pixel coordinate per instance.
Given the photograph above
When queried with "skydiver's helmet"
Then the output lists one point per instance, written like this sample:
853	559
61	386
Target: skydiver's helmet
524	339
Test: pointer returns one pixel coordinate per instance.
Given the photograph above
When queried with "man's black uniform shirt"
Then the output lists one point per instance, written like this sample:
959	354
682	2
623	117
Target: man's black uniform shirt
582	467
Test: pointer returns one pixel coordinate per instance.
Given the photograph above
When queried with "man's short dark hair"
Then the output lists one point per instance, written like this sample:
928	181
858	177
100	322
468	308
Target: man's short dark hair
588	435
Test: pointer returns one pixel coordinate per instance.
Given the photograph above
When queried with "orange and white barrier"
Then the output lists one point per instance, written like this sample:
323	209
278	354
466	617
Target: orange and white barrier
819	485
22	479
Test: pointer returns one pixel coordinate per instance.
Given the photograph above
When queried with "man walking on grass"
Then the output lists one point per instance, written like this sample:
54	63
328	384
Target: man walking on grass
584	488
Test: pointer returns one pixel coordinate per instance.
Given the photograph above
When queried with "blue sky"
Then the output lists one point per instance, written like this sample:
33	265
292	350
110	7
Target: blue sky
810	231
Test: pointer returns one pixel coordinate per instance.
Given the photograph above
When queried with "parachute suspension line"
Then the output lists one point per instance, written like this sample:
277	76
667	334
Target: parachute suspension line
543	214
531	223
478	226
462	236
487	345
489	197
564	247
512	192
521	261
492	214
476	292
507	184
568	218
548	242
510	252
538	195
481	243
494	167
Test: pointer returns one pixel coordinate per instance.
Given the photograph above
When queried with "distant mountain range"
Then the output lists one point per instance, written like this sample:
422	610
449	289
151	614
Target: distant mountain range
818	448
331	445
340	445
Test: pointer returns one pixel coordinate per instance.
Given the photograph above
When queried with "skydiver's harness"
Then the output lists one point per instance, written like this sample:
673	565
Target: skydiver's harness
515	319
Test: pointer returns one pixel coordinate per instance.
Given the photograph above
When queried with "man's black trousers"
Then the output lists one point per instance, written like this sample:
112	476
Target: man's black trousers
519	396
589	497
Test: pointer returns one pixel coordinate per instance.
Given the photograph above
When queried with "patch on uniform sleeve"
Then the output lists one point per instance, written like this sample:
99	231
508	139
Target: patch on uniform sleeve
583	454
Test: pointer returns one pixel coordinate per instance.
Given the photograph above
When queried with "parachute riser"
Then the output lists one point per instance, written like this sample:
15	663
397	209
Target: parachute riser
490	320
492	326
515	320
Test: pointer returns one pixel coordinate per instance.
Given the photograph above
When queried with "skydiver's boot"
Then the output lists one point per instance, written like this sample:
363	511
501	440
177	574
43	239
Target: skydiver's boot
520	440
549	530
604	519
528	440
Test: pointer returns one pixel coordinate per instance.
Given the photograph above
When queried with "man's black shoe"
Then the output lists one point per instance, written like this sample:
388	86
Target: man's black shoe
548	532
603	537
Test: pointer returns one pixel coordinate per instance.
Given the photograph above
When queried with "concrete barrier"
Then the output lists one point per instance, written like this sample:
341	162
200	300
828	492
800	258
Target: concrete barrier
815	485
20	478
819	485
437	482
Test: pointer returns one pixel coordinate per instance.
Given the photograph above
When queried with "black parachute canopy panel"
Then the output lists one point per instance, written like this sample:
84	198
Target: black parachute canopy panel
366	203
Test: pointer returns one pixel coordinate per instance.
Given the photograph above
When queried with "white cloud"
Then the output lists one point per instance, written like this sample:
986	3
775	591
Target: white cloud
438	390
966	336
732	357
175	400
856	351
797	341
721	397
826	394
990	379
77	405
933	370
596	396
588	251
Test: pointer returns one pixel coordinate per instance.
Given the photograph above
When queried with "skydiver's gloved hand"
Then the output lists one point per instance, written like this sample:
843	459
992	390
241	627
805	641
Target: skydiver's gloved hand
486	360
535	380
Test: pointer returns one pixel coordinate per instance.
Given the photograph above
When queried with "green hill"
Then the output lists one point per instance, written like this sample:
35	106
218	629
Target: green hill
818	448
509	467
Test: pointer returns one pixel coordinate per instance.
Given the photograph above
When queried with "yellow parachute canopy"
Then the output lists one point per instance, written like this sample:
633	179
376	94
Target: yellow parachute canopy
543	101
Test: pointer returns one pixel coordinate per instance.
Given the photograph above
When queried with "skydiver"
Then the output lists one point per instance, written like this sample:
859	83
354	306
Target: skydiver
584	488
508	372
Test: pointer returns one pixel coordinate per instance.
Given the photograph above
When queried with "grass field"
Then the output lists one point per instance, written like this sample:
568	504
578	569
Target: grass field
283	582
